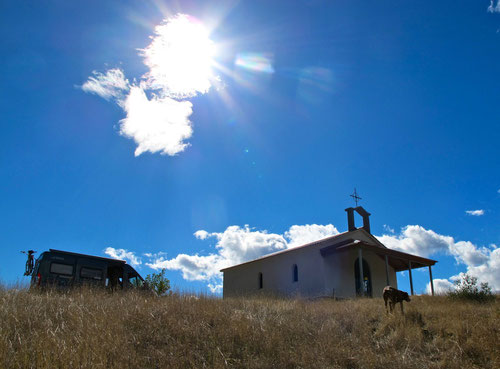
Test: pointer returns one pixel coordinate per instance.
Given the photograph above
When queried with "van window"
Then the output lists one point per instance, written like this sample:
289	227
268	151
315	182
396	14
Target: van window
135	281
91	273
65	269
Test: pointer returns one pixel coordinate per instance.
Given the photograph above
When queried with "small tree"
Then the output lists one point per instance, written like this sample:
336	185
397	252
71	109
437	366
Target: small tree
158	282
467	288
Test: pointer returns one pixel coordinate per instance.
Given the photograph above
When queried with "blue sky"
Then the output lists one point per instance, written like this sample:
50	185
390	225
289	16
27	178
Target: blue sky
308	99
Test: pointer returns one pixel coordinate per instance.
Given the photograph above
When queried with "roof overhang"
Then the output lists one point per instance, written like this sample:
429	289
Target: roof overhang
398	260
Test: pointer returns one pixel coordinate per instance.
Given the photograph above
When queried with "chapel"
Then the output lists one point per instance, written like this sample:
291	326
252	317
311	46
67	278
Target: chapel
350	264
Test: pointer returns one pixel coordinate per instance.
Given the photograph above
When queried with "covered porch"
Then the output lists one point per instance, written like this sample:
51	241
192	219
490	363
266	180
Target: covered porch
399	261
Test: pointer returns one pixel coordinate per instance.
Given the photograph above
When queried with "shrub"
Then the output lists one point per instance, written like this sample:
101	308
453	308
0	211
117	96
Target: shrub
158	282
467	289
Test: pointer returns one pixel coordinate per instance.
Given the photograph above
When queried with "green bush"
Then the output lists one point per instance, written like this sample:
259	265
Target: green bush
158	282
467	289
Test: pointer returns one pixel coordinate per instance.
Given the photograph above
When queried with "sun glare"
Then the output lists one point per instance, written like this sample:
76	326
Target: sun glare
180	57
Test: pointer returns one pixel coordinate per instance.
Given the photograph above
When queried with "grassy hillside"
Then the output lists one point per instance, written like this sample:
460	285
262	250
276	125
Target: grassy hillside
94	329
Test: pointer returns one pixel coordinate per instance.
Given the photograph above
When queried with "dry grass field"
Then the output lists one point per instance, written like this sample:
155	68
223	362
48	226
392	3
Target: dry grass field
95	329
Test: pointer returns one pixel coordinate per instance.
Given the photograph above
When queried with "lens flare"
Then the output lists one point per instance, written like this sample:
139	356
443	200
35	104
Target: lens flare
255	62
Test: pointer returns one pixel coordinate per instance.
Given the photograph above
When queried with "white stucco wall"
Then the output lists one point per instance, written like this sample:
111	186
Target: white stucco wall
318	275
277	272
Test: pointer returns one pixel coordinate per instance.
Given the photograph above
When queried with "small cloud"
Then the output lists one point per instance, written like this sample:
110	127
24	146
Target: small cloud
113	84
498	190
156	124
388	229
215	288
415	239
494	8
157	112
468	253
441	287
299	235
475	213
201	234
122	254
154	255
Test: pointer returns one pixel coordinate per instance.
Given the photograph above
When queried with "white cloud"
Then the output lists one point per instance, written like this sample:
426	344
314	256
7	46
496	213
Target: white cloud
201	234
154	255
215	288
113	84
489	271
123	254
236	245
415	239
494	8
481	262
239	244
193	267
476	213
388	229
441	286
469	254
498	190
156	124
301	234
179	66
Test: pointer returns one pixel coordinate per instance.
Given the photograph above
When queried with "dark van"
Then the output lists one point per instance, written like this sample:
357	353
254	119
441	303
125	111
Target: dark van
68	269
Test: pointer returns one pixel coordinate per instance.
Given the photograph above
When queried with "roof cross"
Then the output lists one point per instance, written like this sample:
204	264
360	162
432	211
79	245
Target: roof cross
355	196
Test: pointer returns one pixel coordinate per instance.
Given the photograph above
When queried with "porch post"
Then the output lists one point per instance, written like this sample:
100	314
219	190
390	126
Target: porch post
411	279
432	282
361	276
387	270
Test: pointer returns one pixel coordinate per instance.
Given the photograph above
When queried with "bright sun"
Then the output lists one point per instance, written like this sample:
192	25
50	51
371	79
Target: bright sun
180	57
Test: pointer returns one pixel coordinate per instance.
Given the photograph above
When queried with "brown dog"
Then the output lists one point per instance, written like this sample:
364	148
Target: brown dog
394	296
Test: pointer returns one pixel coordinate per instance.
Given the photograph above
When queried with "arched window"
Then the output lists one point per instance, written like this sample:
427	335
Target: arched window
295	273
261	281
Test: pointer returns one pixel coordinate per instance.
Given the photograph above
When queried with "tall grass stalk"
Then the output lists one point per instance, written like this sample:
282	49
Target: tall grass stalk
96	329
